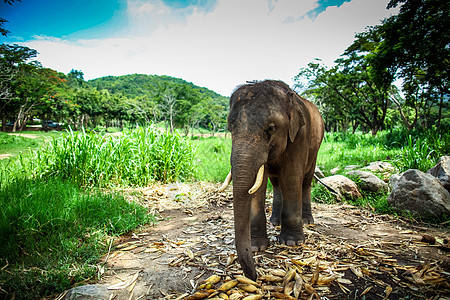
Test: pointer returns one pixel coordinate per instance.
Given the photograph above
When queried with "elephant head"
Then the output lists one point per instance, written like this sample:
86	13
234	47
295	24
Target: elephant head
265	119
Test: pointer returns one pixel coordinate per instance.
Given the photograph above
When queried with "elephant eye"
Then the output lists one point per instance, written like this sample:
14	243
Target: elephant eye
271	129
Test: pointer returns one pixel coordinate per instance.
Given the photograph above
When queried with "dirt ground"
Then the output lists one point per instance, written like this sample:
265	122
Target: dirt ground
349	253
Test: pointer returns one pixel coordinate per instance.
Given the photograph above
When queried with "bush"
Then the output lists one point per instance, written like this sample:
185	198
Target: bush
136	157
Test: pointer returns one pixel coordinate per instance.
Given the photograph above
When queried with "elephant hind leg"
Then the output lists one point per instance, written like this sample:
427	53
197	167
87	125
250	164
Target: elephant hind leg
275	218
306	196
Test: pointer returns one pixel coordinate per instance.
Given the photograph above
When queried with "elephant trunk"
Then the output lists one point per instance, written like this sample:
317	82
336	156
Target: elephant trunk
243	174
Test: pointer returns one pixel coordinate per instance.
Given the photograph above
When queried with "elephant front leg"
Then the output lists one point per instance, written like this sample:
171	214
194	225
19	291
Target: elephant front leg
259	238
291	217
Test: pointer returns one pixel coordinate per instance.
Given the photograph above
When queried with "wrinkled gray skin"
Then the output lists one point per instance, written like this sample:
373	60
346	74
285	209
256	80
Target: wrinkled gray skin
271	126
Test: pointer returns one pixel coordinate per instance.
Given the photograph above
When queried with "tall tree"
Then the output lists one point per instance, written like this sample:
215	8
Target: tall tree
416	47
13	59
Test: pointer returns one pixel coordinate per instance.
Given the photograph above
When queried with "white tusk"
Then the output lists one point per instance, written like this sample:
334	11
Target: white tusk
258	181
226	183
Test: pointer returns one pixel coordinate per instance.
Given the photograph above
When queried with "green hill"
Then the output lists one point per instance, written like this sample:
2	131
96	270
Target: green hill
175	101
138	85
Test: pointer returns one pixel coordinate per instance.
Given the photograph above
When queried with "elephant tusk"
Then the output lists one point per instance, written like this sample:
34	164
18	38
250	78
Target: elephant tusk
225	184
258	181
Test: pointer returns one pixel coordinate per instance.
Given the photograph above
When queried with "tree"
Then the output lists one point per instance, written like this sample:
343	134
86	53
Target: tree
349	93
13	62
34	88
415	46
76	79
3	31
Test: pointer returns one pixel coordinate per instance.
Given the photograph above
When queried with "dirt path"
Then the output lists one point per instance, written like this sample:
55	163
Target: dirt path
25	135
348	254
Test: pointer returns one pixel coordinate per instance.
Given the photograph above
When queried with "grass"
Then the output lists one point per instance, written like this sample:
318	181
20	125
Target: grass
55	223
53	234
340	150
213	159
135	158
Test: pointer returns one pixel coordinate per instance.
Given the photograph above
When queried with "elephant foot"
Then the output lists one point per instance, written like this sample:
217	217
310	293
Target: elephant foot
308	219
291	238
259	244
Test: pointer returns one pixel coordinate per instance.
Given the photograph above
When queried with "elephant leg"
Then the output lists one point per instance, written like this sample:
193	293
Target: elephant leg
306	197
306	205
259	238
275	218
291	213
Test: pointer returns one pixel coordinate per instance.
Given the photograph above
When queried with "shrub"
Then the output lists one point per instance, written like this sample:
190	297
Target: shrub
136	157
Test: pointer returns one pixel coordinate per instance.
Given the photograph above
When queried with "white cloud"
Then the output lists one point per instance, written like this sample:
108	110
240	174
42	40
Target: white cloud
238	41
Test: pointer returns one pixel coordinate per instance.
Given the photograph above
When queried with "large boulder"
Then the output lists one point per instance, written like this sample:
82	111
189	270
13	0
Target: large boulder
369	181
394	179
343	186
442	171
420	194
88	292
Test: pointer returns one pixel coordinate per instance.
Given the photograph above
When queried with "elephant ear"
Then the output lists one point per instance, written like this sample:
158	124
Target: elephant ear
296	118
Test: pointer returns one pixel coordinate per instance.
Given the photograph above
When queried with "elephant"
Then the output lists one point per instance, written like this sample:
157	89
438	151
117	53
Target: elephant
276	134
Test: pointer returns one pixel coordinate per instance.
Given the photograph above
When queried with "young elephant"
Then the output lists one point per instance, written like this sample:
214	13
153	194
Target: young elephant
276	134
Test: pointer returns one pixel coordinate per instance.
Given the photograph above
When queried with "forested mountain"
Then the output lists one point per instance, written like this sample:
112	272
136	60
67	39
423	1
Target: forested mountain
178	102
136	85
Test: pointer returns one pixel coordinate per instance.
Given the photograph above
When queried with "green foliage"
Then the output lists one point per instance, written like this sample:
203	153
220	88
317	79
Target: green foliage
320	194
53	234
343	149
213	162
417	154
359	91
135	157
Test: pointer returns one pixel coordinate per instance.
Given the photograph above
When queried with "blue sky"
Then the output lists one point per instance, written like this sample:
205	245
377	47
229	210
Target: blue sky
213	43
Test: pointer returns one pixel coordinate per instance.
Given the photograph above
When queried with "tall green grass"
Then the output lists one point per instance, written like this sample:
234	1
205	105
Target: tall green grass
134	158
52	234
54	220
213	159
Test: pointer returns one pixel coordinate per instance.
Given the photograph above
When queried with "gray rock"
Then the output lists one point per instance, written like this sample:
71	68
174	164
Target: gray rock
319	172
88	292
442	171
334	170
393	180
343	186
351	167
380	167
370	182
420	194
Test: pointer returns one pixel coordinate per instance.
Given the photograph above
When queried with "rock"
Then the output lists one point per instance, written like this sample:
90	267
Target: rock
380	167
343	186
420	194
334	170
319	173
90	291
442	171
393	180
351	167
370	182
